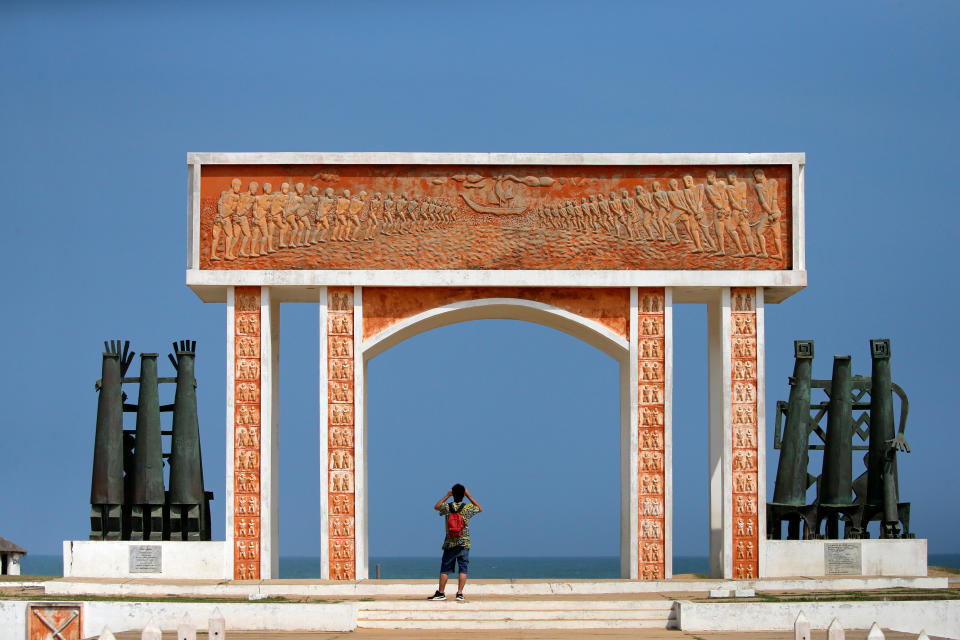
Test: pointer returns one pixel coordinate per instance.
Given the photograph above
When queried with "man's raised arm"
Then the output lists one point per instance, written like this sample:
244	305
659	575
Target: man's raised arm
466	492
442	500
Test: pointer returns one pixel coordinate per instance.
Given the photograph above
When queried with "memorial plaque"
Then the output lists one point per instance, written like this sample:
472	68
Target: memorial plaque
842	559
146	559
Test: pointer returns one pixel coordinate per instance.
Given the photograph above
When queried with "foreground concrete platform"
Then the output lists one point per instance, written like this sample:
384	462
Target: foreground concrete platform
610	634
416	588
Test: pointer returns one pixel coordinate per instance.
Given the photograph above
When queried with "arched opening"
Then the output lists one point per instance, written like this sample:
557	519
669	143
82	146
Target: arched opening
445	392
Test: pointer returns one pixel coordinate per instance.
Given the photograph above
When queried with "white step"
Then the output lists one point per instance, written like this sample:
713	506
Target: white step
530	605
515	624
517	614
508	614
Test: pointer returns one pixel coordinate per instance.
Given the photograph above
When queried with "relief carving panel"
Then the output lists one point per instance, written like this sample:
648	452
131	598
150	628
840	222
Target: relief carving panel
651	368
246	434
743	370
490	217
340	427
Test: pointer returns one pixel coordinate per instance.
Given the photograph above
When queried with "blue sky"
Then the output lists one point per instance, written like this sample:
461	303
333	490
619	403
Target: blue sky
99	104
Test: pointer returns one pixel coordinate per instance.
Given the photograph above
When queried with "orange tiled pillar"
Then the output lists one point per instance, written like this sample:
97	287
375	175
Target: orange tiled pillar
339	327
651	436
744	415
247	432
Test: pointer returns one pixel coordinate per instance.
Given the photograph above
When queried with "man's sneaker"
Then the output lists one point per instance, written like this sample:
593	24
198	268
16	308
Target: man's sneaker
459	597
438	596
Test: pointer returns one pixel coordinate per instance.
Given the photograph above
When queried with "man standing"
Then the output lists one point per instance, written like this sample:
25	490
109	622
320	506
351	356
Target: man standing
456	545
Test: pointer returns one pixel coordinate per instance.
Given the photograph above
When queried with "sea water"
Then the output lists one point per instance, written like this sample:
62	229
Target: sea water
408	568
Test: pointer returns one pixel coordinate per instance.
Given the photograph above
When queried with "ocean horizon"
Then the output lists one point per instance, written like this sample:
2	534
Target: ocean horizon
503	567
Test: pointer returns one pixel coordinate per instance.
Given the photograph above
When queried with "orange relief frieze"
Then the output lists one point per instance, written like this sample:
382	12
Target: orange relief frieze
340	433
384	307
455	217
651	365
743	369
246	435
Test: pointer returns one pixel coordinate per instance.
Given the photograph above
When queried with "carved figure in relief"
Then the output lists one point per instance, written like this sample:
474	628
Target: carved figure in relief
650	394
261	221
340	347
284	206
651	304
737	198
325	204
724	221
341	481
357	203
389	207
227	206
290	208
260	211
742	301
680	212
647	213
337	302
770	212
631	212
744	392
241	221
305	215
699	226
743	325
374	212
248	482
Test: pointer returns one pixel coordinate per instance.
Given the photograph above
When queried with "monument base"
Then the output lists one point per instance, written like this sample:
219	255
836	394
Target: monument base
144	559
816	558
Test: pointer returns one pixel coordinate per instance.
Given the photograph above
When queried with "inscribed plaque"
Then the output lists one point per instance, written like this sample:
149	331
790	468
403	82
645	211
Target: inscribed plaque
145	559
842	559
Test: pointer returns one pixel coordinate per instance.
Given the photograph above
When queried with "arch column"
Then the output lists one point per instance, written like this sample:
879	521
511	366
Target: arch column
253	335
735	322
342	495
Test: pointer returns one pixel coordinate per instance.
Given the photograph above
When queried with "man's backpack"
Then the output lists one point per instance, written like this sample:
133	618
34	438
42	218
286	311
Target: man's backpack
455	522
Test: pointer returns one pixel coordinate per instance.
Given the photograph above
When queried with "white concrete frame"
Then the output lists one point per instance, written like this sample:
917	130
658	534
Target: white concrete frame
711	287
300	285
594	334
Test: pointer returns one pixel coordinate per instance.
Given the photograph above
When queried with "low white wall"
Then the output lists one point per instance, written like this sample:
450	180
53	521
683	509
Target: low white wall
111	559
791	558
238	616
936	617
13	619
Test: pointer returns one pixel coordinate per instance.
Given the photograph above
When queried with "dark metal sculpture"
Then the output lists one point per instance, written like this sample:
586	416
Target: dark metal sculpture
790	491
106	487
872	496
146	520
189	511
127	494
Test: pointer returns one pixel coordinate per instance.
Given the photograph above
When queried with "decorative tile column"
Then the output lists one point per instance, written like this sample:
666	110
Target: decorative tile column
651	435
247	432
744	420
341	430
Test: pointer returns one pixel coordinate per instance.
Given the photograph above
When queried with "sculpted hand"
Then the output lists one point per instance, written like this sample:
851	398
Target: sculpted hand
899	443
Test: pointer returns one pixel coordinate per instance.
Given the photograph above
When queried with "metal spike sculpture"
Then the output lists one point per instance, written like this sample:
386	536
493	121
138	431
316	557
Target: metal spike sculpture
790	492
127	492
188	508
106	487
876	491
146	520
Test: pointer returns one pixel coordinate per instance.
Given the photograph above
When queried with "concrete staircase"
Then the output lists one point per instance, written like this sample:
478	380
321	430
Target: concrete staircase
517	614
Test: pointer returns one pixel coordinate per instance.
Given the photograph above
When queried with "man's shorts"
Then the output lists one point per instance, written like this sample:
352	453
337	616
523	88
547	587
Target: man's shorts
456	556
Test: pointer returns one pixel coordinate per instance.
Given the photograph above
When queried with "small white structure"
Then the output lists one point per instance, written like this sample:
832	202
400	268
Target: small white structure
10	558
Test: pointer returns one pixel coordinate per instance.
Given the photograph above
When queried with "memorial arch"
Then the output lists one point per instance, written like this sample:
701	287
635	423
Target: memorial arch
392	245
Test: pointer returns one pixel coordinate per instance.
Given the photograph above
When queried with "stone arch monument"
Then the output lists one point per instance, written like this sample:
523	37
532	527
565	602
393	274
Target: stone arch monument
600	246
